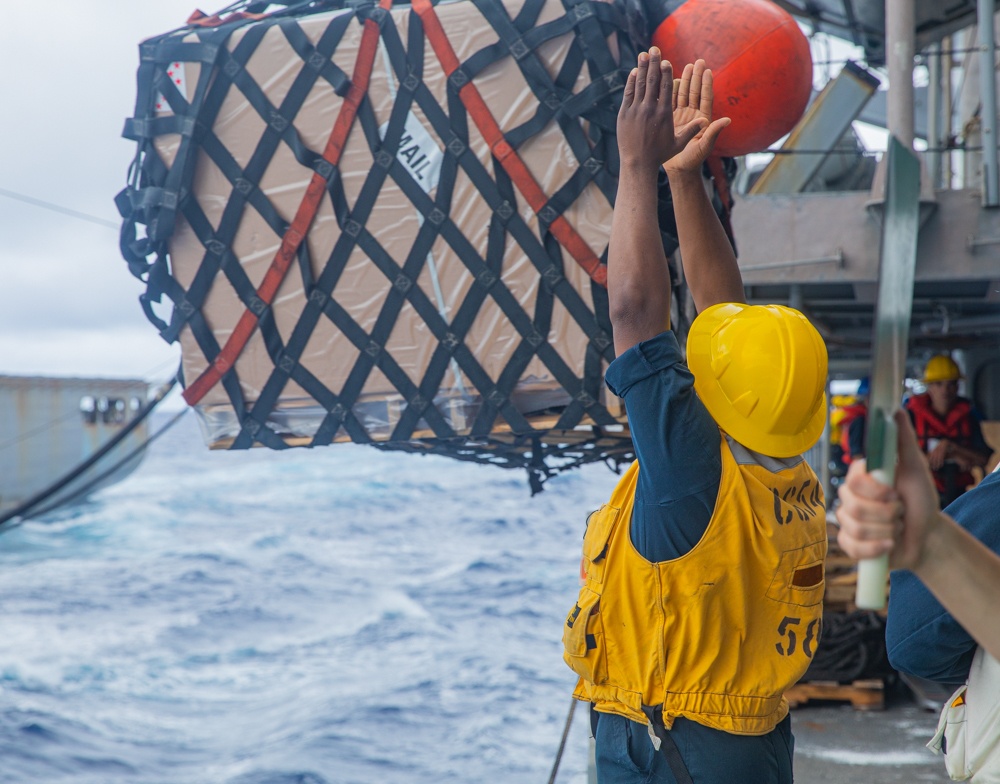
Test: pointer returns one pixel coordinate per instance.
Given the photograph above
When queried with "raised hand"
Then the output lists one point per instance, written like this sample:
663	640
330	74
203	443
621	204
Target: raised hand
648	129
655	127
692	103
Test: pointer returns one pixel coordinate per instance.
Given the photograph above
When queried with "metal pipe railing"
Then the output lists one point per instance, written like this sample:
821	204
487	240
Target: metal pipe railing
900	46
988	89
934	95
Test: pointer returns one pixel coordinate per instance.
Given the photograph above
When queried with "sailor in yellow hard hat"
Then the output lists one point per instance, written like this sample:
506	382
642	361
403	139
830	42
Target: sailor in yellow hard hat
704	572
948	429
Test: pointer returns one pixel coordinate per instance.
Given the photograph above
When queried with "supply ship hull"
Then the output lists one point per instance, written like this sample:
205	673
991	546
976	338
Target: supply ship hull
51	426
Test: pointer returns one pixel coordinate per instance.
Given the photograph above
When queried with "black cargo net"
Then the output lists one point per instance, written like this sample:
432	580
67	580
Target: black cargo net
582	430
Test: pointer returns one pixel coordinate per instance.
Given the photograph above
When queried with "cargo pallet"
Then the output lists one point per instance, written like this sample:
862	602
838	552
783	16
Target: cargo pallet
864	695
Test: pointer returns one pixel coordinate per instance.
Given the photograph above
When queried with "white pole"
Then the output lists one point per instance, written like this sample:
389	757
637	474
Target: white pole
948	109
988	90
934	135
900	41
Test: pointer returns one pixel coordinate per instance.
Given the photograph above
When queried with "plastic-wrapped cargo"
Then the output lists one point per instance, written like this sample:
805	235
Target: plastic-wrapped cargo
386	225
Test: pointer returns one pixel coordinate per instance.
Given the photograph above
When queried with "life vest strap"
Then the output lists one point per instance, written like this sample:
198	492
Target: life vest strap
664	743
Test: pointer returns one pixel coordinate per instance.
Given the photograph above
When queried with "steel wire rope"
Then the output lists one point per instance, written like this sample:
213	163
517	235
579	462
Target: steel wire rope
859	153
562	741
104	474
71	414
42	203
38	429
48	205
156	370
26	506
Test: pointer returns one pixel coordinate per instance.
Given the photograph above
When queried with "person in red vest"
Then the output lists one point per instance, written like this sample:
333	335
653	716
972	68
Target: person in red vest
852	426
948	429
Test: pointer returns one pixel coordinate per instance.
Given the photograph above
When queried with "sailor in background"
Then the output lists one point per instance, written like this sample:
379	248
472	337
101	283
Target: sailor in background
704	572
942	620
852	424
948	429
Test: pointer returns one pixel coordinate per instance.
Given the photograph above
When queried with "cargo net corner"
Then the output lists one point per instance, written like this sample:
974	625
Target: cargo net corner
387	225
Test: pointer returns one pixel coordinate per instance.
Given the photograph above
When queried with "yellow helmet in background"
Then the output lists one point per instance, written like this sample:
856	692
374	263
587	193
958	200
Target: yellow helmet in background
761	372
941	367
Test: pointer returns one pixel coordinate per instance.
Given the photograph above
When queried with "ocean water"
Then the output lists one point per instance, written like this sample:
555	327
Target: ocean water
335	615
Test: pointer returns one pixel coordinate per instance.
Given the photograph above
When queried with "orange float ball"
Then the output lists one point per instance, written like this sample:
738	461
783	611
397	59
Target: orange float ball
760	62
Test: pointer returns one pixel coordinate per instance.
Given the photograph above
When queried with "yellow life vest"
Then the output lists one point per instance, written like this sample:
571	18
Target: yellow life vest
718	634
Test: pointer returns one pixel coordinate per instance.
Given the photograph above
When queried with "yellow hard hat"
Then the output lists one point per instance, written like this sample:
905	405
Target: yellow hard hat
761	372
941	367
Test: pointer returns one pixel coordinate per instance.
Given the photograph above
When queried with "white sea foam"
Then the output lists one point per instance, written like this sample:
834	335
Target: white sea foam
888	758
331	615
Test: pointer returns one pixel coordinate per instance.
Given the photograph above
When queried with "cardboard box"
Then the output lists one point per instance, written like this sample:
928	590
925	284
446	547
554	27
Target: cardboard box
445	280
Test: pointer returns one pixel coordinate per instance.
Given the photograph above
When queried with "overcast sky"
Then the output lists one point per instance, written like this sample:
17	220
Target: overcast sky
68	305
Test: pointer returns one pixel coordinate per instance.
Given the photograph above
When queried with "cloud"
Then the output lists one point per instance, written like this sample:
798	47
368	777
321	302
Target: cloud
87	351
72	278
68	304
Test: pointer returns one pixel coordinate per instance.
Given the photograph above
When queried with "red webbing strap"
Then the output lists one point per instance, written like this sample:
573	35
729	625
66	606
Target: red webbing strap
502	151
303	217
199	18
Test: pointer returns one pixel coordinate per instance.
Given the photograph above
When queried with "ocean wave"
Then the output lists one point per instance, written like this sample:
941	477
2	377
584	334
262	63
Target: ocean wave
334	615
